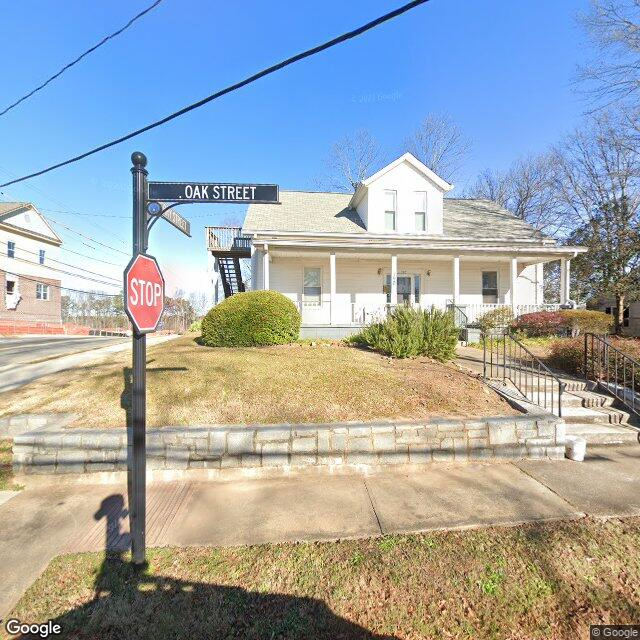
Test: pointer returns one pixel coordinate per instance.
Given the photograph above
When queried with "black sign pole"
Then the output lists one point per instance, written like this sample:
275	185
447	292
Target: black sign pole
136	436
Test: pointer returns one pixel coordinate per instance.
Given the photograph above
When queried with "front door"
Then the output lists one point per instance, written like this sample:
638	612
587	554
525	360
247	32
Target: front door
404	290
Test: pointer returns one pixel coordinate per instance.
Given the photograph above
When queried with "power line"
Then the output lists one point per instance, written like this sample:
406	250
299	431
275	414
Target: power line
69	273
64	264
64	226
81	56
58	286
234	87
83	255
79	213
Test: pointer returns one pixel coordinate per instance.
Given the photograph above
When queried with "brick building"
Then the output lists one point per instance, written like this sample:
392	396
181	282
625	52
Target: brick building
30	284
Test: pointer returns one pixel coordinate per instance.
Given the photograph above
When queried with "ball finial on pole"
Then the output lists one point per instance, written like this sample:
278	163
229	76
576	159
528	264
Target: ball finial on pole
138	159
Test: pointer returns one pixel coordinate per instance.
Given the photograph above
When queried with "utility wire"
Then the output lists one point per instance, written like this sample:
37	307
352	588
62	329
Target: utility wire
234	87
80	57
59	286
69	273
64	264
64	226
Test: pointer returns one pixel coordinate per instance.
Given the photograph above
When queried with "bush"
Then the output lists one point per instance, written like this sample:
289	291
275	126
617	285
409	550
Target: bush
498	318
568	355
195	326
407	333
251	319
541	323
580	321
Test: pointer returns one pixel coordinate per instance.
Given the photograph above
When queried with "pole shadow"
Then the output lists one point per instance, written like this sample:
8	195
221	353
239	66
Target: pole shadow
131	602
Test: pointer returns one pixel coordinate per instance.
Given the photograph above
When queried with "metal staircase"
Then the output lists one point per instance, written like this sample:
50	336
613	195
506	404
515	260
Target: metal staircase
228	245
231	275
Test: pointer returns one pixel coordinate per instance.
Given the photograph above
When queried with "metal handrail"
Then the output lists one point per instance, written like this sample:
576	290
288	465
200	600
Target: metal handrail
459	316
627	391
525	373
227	238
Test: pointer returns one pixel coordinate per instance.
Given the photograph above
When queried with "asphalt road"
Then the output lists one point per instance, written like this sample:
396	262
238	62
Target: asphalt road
22	350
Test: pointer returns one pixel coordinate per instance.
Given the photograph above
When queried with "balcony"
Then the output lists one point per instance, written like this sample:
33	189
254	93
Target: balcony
228	241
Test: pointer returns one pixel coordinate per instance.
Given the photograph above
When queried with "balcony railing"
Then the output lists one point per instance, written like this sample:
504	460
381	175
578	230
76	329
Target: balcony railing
227	239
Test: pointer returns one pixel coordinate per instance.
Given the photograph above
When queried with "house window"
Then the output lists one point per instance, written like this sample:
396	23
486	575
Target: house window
312	287
416	288
11	287
490	287
11	249
421	211
41	256
390	210
42	291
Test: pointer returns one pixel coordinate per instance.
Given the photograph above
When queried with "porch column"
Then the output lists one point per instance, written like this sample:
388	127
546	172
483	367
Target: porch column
394	279
456	279
332	276
565	280
514	280
265	268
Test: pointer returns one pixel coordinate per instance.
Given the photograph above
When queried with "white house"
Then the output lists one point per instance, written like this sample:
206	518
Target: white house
345	259
30	281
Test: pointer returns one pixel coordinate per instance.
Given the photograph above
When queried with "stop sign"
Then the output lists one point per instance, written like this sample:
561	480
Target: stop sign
144	293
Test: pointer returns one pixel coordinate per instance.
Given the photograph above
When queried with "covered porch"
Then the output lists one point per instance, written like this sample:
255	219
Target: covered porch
350	288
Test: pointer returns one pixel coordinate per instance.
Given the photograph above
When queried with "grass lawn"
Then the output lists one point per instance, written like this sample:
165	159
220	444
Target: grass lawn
189	384
532	581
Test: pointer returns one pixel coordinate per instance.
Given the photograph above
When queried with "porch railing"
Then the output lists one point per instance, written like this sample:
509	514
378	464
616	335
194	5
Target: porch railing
227	239
460	317
613	370
506	358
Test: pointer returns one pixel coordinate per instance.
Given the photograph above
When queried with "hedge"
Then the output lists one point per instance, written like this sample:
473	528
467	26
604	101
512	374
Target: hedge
254	318
581	321
574	322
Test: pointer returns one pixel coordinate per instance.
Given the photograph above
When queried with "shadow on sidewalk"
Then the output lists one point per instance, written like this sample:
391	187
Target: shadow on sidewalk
132	602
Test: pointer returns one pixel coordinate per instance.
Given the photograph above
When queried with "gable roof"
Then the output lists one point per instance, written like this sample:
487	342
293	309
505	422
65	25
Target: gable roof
417	165
9	210
318	212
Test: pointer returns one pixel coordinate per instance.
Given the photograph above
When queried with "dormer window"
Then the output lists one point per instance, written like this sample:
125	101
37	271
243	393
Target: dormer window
390	211
420	214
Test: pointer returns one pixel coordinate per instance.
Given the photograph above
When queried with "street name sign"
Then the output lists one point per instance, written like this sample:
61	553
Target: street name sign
213	192
144	293
180	223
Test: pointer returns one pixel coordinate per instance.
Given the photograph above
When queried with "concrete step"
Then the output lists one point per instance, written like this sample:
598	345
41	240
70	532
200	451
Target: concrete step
604	434
593	415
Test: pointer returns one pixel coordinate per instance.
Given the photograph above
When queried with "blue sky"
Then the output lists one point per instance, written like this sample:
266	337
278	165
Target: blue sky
502	70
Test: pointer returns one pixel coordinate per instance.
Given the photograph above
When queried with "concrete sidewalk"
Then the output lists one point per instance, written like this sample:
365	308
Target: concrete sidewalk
40	523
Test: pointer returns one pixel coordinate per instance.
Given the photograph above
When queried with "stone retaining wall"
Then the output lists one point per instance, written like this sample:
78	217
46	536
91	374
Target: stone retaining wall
52	449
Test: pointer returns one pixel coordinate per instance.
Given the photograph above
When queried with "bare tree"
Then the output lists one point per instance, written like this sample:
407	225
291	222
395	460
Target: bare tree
614	28
598	181
527	189
351	159
439	143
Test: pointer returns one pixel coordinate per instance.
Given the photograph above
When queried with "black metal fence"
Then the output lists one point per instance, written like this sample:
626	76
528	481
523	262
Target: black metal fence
506	358
613	370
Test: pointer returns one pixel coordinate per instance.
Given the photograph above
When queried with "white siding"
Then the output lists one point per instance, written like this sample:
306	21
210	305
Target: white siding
358	283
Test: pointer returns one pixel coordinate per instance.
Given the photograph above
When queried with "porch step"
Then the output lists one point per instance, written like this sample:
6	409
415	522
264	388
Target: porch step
603	434
595	415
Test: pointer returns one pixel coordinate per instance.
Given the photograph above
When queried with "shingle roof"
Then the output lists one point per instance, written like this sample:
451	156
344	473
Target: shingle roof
329	212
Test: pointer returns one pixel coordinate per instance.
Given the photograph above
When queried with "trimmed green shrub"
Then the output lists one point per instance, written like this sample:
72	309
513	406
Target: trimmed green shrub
541	323
580	321
250	319
407	333
498	318
567	355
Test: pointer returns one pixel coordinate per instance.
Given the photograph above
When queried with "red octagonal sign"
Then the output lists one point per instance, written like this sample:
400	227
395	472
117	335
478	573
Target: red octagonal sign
144	293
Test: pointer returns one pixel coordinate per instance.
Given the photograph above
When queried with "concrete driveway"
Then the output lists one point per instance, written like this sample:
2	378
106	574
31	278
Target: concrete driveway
39	523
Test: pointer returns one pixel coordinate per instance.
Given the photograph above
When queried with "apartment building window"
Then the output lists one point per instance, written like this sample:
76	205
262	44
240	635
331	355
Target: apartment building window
390	210
41	256
490	287
42	291
312	287
11	249
420	213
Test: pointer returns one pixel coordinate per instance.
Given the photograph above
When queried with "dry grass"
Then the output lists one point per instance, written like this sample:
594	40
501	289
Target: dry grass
6	471
534	581
190	384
